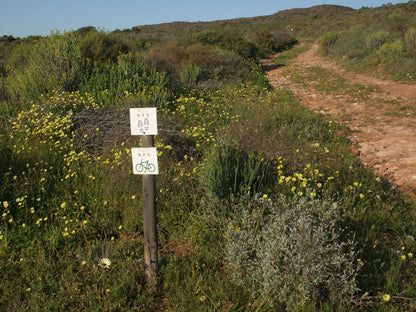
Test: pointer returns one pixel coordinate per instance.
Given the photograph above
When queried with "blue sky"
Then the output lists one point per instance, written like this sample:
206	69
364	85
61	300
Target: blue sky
22	18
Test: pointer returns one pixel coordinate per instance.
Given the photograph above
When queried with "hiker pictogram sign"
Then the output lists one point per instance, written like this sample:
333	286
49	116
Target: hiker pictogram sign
143	121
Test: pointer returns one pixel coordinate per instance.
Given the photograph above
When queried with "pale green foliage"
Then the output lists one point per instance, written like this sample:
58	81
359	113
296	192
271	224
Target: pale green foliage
291	251
57	63
189	74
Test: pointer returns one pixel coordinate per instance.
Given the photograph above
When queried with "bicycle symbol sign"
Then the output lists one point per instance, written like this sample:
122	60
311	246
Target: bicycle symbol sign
145	160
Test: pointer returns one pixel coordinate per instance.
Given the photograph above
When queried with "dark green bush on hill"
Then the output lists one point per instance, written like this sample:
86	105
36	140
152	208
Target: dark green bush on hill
229	40
101	47
209	37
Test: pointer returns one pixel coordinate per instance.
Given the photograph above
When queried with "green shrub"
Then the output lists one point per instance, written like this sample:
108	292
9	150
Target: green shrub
397	22
391	50
58	63
130	80
209	37
352	45
102	47
410	41
190	74
326	41
231	41
377	39
273	41
245	48
266	41
54	62
291	252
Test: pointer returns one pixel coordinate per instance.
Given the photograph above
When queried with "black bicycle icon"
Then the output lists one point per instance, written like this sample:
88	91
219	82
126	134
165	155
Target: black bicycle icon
145	165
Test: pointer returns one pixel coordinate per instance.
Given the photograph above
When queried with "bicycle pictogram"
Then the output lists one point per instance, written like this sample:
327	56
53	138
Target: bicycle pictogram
146	166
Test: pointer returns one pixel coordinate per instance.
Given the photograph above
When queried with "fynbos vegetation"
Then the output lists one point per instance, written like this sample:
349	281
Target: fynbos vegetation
261	205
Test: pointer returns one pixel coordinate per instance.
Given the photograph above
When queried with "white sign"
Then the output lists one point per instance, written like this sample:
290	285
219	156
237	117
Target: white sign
143	121
144	160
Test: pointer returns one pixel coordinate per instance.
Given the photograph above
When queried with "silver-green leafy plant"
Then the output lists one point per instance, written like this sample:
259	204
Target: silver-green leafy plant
291	251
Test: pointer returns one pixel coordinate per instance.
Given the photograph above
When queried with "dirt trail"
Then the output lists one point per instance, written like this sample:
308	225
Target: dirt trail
383	121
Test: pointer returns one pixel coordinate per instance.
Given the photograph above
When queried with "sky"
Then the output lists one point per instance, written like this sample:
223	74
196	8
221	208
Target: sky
23	18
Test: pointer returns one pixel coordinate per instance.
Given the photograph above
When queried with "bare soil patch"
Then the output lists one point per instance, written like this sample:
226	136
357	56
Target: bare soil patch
380	113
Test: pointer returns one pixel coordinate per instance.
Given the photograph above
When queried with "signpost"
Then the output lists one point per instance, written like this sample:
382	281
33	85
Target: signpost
143	121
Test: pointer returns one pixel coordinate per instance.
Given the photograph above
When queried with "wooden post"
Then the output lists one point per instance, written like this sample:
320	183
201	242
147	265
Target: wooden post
149	220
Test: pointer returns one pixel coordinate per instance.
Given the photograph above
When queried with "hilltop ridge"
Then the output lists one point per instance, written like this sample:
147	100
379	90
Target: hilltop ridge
280	16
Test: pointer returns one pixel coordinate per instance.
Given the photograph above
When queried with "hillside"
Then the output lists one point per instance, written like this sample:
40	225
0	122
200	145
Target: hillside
281	16
280	21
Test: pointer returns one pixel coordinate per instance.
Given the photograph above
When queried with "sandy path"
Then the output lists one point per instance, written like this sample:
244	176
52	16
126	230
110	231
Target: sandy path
383	121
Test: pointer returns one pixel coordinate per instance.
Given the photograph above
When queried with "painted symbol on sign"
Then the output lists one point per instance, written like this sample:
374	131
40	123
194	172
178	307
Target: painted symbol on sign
144	166
145	160
143	125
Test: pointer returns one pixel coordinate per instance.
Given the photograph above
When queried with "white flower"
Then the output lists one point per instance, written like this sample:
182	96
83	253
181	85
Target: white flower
104	263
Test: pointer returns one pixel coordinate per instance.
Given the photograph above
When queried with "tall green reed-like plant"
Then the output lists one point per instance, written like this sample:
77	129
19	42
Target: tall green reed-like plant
128	80
230	170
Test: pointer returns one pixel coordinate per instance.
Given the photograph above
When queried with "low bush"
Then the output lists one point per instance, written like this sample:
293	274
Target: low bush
190	74
291	252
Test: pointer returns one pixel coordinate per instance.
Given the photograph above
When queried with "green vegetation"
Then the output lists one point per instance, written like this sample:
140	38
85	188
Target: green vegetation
261	205
382	48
